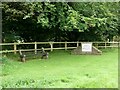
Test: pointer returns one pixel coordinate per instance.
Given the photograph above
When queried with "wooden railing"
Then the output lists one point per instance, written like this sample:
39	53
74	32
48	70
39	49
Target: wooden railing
51	44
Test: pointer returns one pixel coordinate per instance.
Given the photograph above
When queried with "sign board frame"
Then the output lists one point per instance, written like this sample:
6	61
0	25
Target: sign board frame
87	47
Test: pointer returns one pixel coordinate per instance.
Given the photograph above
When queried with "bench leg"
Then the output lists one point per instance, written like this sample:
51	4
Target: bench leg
23	59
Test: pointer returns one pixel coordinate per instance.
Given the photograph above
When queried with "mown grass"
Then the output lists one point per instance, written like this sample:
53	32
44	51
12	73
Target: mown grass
62	70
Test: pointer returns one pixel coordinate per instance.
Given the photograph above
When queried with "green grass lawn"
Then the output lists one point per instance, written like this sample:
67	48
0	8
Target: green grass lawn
63	70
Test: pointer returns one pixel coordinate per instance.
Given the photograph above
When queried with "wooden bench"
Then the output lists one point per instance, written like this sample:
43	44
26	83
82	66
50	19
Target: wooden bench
31	55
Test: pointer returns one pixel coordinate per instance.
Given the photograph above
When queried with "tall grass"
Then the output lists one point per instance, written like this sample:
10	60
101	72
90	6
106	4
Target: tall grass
62	70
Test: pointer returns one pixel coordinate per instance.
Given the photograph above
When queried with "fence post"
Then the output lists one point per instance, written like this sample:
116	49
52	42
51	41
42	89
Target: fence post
96	44
15	48
35	47
65	45
51	45
105	44
77	43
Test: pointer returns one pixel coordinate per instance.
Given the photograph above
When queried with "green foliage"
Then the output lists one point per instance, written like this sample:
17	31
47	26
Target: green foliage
103	17
56	20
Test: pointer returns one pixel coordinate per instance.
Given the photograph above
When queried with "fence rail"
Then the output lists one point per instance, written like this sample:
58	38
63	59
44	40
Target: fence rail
51	45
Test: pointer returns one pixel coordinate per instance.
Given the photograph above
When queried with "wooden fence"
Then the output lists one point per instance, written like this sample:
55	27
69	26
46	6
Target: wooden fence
51	45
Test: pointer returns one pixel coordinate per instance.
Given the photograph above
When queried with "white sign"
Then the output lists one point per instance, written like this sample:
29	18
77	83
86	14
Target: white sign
86	47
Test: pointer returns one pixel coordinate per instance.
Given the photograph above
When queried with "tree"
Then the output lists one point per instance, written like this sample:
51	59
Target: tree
60	21
103	17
